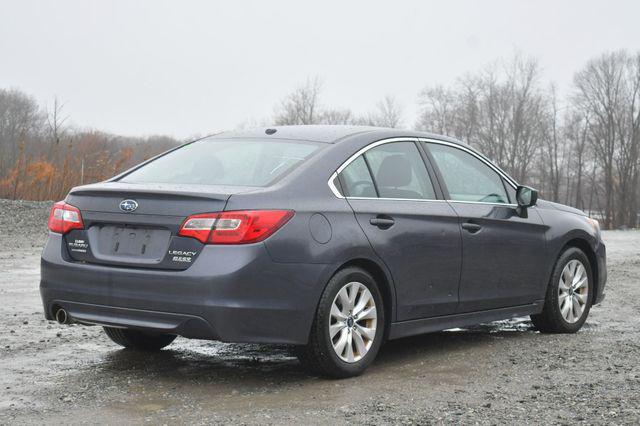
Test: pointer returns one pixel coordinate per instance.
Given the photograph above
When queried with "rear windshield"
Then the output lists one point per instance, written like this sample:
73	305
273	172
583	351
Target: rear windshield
236	162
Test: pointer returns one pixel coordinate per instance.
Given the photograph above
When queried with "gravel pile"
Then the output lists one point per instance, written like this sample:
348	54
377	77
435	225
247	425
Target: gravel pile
24	222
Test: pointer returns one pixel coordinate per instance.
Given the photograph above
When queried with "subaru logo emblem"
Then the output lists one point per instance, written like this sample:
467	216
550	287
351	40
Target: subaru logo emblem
128	205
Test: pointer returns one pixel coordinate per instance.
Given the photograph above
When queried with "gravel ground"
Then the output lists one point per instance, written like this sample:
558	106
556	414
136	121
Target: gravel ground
497	373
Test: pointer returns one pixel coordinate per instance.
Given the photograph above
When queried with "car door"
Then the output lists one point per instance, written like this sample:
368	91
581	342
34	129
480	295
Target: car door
502	252
415	234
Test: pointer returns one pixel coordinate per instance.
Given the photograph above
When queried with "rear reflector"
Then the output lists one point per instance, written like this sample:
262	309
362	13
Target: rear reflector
234	227
64	217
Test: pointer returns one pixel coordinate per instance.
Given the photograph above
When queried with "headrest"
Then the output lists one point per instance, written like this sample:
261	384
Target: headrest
395	171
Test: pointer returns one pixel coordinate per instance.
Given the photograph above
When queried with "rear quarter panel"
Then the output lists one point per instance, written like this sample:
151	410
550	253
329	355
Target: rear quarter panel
324	229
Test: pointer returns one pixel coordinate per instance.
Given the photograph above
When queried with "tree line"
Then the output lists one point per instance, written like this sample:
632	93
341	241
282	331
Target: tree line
580	148
42	157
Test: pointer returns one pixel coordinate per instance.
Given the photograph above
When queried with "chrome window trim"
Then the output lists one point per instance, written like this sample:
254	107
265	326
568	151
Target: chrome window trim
425	200
422	200
482	202
332	187
361	151
371	146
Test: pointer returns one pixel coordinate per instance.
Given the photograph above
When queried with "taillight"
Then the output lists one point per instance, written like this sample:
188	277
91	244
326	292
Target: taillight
234	227
64	217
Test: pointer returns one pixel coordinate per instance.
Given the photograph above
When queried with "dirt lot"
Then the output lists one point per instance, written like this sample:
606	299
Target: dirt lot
491	374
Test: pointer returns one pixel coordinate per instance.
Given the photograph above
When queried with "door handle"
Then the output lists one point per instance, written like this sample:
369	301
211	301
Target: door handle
471	227
382	222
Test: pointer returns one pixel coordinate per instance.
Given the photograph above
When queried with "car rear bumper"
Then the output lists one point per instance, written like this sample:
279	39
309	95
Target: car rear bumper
230	293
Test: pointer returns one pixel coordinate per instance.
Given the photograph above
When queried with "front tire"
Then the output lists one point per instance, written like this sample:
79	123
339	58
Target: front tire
140	340
569	294
348	328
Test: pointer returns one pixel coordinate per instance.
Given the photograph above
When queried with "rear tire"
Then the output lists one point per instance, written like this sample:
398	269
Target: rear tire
140	340
348	327
569	294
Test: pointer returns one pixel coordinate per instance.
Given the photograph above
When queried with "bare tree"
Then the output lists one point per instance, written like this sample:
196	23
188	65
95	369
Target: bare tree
20	119
552	150
632	151
302	105
336	116
387	113
575	134
608	90
438	110
500	109
55	120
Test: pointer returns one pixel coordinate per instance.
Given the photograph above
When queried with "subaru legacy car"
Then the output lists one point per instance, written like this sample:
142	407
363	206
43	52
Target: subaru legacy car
331	239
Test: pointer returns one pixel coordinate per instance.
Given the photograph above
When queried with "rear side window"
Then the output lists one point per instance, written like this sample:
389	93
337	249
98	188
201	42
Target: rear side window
466	177
235	162
393	170
356	180
399	171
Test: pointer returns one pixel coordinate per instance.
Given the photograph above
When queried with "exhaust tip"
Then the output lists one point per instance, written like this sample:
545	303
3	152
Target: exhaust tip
62	317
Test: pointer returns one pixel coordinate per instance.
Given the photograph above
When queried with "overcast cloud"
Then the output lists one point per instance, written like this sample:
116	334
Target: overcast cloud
186	67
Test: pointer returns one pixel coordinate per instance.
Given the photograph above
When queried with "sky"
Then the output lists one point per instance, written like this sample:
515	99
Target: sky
187	68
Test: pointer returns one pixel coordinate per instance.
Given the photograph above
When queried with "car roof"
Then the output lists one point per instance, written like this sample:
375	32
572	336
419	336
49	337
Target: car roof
328	133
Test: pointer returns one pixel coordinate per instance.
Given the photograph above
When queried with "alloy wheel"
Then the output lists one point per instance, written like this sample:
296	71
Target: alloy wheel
353	322
573	291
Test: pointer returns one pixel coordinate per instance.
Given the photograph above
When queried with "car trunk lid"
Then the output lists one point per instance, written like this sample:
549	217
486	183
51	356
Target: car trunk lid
145	236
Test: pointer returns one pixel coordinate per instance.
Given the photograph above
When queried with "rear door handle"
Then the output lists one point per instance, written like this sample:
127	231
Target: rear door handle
471	227
382	222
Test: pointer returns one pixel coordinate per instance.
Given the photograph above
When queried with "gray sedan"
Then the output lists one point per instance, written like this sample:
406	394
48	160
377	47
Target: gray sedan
332	239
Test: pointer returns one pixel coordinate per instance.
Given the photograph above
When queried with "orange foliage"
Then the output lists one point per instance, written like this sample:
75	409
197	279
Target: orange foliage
40	159
92	158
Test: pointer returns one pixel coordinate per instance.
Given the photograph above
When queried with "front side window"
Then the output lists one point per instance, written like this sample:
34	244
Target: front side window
391	170
235	162
466	177
511	191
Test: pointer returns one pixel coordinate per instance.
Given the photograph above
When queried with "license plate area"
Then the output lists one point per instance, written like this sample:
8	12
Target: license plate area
127	243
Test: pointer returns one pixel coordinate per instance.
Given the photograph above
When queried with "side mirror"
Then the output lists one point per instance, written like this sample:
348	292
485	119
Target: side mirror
526	197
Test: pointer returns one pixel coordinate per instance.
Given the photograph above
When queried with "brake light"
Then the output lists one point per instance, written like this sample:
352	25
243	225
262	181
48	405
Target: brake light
64	217
234	227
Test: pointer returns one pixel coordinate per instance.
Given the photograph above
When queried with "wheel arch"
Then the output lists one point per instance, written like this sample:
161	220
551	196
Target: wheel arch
584	245
385	284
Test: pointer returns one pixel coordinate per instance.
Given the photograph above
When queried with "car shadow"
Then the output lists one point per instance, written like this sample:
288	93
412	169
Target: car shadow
252	364
425	346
